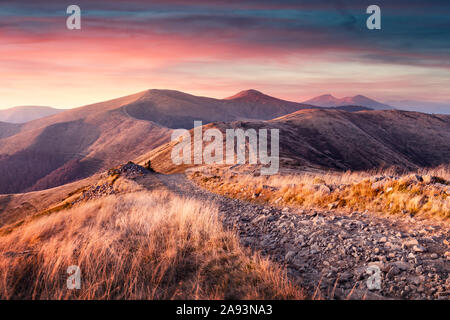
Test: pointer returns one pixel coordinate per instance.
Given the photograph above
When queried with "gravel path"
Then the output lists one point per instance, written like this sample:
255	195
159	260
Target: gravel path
333	255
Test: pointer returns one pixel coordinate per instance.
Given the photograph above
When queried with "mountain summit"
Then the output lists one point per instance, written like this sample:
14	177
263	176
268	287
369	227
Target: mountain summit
250	94
262	106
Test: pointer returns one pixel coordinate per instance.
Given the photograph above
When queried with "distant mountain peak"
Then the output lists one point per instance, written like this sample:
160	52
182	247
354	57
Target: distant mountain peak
250	93
327	95
327	100
152	92
22	114
360	97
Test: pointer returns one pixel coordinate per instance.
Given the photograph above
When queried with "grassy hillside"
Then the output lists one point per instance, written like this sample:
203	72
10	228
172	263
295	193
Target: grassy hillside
340	140
425	193
79	142
67	151
138	245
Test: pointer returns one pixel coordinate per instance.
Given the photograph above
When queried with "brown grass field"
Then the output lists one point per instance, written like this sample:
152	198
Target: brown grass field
140	245
424	193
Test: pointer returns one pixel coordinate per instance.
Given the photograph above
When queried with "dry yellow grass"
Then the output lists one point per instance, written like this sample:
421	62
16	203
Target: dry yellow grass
142	245
394	194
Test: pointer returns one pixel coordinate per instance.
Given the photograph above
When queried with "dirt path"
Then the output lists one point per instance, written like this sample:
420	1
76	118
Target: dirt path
330	254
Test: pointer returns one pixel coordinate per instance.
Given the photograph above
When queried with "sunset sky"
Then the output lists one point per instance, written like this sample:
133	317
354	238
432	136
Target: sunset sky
290	49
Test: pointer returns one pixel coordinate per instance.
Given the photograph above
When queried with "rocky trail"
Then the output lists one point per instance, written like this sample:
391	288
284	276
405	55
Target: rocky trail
333	255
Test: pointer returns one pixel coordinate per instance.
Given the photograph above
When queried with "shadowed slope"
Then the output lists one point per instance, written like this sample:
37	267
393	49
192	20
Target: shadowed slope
76	143
133	243
8	129
365	140
333	139
69	146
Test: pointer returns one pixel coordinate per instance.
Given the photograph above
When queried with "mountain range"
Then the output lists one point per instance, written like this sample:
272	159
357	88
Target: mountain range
328	100
256	104
421	106
77	143
74	144
26	113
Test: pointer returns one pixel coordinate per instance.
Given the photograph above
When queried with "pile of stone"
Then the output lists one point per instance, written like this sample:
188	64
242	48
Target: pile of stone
129	170
96	192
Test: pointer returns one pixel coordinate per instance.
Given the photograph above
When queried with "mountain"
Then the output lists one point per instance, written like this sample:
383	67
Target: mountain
261	106
26	113
340	140
365	140
8	129
351	108
176	109
421	106
76	143
327	100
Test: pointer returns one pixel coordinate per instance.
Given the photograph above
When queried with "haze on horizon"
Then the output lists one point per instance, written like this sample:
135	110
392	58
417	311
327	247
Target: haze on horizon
290	50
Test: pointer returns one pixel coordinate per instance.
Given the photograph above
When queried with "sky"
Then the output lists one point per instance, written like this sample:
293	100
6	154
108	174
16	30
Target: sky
293	50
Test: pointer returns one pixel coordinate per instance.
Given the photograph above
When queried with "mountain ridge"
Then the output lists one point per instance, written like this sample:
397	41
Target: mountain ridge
329	139
22	114
79	142
328	100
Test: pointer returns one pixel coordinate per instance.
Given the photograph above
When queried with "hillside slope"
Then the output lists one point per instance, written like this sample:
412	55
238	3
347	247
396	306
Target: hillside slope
55	150
8	129
339	140
67	151
365	140
74	144
179	251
